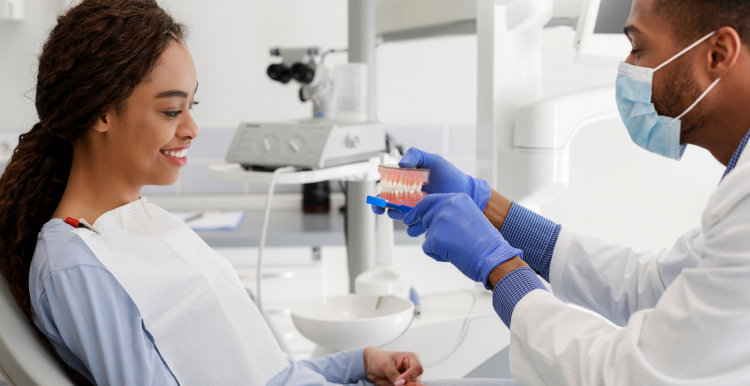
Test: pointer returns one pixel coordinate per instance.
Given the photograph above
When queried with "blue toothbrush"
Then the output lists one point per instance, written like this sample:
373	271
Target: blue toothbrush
381	203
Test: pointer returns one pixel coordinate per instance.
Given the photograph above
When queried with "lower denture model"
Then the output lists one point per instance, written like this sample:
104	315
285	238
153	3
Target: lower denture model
402	186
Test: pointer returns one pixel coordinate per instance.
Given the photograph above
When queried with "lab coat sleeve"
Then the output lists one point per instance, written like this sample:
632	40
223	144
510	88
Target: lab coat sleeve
344	367
614	280
92	322
696	333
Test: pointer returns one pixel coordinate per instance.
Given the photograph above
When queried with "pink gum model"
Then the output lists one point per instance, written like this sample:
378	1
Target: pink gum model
403	186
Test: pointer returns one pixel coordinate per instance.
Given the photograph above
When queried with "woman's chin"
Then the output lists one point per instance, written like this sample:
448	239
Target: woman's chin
166	180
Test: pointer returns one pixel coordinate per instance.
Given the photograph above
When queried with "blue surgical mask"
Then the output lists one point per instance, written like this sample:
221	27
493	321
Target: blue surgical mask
649	130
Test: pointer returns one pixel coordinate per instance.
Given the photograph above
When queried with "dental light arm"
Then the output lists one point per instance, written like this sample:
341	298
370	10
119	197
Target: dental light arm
552	123
539	171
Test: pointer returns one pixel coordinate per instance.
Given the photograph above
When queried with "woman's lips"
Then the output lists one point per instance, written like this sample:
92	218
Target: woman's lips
178	155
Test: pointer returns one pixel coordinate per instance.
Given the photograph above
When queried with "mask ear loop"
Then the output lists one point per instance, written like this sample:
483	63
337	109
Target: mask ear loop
697	101
684	51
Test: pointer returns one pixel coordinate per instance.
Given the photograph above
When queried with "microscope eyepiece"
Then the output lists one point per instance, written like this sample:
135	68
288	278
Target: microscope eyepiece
302	73
279	73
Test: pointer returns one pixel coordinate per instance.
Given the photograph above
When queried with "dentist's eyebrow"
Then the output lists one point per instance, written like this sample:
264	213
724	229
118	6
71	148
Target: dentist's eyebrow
174	93
629	30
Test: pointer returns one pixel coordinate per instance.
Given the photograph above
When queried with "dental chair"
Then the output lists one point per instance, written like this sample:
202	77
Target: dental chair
24	360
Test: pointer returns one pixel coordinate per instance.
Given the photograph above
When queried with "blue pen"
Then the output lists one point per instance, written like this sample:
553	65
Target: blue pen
415	299
381	203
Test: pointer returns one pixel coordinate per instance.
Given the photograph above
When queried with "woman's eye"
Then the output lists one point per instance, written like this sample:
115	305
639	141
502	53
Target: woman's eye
194	104
173	114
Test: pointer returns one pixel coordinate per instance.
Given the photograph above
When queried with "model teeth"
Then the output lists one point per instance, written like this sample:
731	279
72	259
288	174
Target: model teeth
176	154
400	185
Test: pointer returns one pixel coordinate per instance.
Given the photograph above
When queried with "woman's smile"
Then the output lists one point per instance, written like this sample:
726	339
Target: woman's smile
177	155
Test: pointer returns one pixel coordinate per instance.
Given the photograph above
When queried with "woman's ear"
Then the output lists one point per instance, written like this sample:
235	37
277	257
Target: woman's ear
103	123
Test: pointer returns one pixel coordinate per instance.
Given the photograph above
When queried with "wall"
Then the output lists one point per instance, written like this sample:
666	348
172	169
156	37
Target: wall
20	43
427	97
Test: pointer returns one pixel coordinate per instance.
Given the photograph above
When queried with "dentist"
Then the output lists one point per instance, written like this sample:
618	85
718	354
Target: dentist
680	316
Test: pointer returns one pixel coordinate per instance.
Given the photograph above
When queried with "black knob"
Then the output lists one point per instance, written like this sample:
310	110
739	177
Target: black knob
302	73
279	73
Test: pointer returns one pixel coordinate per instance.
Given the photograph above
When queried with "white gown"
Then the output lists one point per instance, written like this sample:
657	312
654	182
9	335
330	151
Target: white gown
207	329
685	311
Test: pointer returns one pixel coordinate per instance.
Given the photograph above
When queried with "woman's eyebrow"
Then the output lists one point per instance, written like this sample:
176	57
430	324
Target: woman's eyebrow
174	93
171	94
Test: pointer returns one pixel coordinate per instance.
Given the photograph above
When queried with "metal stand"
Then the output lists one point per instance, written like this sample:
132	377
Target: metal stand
360	220
362	46
360	227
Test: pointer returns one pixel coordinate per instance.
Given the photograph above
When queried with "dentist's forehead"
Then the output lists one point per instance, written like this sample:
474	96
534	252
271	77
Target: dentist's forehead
644	21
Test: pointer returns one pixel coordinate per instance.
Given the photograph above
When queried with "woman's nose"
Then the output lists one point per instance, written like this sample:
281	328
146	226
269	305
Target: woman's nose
188	129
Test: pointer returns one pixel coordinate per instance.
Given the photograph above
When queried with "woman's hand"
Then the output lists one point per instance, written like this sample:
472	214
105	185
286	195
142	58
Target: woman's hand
388	368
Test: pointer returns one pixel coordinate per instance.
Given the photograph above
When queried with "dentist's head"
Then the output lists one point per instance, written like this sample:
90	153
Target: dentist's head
687	79
114	87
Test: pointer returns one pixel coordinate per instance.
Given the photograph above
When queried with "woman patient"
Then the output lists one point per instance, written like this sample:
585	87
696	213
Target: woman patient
138	299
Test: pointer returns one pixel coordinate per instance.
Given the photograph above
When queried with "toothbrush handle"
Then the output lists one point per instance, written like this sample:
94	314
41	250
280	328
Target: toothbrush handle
415	299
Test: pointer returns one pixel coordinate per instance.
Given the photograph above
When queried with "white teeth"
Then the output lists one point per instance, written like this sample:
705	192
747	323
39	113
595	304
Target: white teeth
177	154
399	185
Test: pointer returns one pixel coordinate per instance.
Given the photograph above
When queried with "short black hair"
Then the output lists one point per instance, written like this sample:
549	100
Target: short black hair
693	19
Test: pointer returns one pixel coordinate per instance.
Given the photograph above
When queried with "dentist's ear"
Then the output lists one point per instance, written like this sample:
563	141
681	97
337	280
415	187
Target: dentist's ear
724	51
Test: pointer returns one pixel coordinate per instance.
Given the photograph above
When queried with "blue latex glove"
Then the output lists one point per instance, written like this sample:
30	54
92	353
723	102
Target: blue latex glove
444	178
458	232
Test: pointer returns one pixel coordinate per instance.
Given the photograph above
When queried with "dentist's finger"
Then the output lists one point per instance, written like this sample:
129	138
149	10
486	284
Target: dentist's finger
414	158
416	230
422	208
396	215
378	210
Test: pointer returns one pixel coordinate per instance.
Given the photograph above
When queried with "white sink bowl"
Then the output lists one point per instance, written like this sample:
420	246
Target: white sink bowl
352	321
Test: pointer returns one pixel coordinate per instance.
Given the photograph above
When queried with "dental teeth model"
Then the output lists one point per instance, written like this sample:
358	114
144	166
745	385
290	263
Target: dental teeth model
402	186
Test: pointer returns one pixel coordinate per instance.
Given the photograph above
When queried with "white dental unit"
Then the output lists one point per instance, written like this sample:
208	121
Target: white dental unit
522	148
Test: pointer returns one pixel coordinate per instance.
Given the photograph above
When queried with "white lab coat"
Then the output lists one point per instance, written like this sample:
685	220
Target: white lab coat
684	312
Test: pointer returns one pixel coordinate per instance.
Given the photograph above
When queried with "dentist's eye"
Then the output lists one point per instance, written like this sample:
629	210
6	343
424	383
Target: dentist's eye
194	104
173	114
633	52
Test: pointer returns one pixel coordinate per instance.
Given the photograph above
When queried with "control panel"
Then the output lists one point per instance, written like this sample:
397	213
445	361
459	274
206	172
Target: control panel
309	144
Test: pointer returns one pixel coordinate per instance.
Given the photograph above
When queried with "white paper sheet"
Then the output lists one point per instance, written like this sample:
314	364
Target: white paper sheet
212	221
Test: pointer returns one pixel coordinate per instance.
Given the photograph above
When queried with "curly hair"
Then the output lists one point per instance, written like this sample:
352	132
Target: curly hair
693	19
94	58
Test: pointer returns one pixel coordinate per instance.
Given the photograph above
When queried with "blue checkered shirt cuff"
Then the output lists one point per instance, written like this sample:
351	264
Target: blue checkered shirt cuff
511	289
534	235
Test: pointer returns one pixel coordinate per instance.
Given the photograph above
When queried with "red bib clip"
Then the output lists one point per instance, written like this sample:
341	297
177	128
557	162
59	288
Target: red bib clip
81	224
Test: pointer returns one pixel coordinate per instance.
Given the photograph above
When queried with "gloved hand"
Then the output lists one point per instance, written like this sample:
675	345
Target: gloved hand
444	178
458	232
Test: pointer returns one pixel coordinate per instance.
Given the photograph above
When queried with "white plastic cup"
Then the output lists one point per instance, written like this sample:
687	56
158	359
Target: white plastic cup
350	93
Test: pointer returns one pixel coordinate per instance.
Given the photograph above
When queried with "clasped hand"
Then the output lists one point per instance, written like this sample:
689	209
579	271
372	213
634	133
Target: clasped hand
388	368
